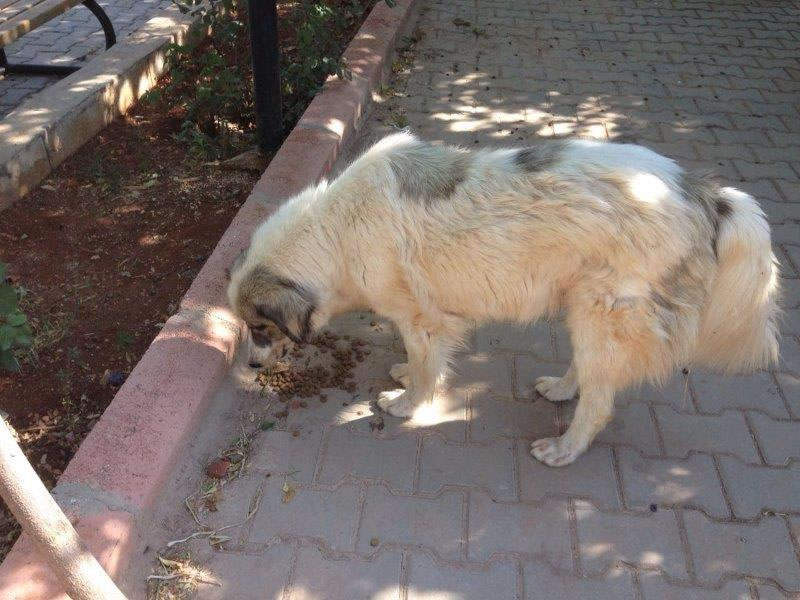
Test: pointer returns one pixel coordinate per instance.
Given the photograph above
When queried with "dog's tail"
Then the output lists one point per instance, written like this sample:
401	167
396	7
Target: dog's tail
739	330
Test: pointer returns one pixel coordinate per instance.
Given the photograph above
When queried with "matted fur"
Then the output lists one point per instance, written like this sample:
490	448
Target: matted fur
655	267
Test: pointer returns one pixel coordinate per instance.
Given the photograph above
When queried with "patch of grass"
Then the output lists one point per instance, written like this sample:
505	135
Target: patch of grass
47	331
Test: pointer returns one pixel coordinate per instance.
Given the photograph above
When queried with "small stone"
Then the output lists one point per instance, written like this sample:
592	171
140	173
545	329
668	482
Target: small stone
218	468
653	508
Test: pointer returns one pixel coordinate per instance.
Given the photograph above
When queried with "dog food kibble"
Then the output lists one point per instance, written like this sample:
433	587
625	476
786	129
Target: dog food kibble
374	542
298	378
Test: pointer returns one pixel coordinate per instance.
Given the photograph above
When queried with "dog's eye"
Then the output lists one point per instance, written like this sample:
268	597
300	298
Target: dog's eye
258	328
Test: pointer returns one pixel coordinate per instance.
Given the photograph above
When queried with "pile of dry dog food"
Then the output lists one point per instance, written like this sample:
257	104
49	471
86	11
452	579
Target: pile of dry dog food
334	357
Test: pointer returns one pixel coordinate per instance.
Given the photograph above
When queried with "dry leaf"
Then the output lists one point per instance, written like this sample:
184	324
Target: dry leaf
288	492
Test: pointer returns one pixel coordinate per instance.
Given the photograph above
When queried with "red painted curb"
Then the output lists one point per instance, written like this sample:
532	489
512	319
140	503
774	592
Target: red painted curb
121	468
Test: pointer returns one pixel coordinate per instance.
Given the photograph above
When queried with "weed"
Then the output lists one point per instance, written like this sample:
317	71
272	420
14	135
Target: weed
398	118
124	340
15	332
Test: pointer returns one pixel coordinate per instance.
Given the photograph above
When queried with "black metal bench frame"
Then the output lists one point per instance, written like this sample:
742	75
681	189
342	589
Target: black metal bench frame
33	69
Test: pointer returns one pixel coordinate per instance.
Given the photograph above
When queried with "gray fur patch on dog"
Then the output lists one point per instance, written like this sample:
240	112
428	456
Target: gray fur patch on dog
699	189
428	172
539	157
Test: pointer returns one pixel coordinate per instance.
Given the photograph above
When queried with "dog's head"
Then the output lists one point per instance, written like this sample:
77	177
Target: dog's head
277	310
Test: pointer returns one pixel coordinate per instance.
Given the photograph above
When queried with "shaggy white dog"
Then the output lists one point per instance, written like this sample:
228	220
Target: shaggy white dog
655	267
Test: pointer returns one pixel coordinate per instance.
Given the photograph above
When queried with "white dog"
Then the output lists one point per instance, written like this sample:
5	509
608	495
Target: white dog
655	267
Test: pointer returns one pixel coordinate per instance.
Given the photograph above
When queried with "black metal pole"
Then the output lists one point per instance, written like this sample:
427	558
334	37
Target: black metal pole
263	17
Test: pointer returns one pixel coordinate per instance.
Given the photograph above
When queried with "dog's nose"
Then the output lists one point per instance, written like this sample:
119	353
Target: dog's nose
255	365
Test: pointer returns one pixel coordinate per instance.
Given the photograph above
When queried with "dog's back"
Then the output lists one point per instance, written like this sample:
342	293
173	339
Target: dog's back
509	233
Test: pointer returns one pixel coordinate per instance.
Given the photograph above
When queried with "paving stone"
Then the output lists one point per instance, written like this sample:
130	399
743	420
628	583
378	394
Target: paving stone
490	467
667	482
494	417
656	588
778	440
433	523
280	453
790	355
715	393
790	288
329	516
533	339
483	372
793	252
249	577
789	384
429	581
361	457
542	584
761	550
768	592
724	433
675	392
632	425
790	325
235	501
590	477
371	328
533	531
529	369
753	488
650	540
317	577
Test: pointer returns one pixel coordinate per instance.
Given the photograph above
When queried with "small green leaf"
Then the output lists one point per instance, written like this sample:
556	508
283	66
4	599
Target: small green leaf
16	319
8	361
7	336
266	425
8	299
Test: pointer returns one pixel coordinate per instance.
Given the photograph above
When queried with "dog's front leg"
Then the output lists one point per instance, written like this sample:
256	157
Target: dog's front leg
425	363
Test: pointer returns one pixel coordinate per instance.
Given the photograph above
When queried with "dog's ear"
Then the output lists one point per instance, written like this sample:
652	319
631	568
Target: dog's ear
290	308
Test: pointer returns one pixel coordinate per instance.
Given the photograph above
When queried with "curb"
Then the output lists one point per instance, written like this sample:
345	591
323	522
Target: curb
50	126
113	482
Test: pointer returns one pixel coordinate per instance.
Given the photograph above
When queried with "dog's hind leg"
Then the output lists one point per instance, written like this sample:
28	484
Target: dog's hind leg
427	359
595	410
558	389
616	343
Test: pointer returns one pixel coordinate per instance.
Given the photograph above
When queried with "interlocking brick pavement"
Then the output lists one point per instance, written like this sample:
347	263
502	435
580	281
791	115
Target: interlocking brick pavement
692	491
73	37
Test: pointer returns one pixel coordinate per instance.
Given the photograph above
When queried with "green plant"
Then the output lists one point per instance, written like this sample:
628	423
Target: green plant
211	80
124	340
14	329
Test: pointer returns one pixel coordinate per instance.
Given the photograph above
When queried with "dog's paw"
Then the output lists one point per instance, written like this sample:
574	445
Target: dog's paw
396	403
399	373
555	389
555	451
